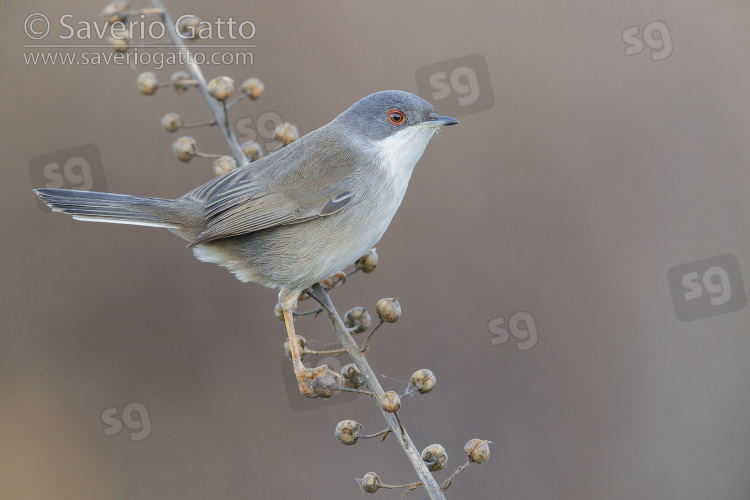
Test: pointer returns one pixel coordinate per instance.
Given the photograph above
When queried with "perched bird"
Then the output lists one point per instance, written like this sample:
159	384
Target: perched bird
297	216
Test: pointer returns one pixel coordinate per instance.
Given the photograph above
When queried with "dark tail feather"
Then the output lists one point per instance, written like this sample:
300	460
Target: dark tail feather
117	208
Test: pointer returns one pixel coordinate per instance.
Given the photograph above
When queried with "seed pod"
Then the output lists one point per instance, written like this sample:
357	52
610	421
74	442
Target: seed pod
220	88
176	79
352	376
389	310
301	345
424	380
357	319
224	164
253	88
171	122
348	432
325	385
116	11
147	83
188	27
477	450
252	150
184	148
278	311
370	483
369	261
119	39
435	457
286	133
390	402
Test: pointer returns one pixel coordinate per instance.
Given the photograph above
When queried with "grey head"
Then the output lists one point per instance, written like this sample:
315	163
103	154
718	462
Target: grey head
384	114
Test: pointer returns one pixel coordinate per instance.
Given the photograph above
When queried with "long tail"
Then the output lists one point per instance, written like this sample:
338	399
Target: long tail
117	208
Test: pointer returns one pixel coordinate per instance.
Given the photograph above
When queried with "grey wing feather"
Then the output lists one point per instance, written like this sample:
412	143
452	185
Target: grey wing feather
289	190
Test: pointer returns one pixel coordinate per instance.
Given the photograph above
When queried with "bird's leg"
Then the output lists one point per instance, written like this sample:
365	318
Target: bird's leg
300	371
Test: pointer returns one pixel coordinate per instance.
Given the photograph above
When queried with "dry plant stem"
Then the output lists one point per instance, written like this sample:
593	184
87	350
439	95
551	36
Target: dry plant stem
308	313
410	486
383	433
217	110
336	352
138	12
212	156
360	391
234	101
365	346
424	474
447	483
210	123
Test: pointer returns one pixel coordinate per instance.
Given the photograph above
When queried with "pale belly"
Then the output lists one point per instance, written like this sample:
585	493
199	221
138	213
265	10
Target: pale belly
297	256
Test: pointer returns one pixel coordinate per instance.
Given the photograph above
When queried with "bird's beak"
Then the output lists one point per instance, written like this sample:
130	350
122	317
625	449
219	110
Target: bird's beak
439	121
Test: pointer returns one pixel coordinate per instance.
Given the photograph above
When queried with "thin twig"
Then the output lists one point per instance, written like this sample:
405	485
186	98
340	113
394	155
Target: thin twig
383	433
447	483
360	391
365	346
308	313
336	352
424	474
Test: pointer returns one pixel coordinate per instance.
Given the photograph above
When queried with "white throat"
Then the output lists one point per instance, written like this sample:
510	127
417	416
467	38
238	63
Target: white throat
401	151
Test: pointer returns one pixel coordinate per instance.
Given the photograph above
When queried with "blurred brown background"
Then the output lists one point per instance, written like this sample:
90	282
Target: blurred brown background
592	175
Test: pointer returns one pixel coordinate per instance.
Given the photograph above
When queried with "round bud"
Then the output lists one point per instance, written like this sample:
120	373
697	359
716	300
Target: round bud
390	402
176	80
116	11
435	457
184	148
188	27
352	376
301	345
278	311
119	39
147	83
477	450
220	88
348	431
371	483
369	261
286	133
424	380
389	310
325	385
224	164
252	150
357	319
253	88
171	122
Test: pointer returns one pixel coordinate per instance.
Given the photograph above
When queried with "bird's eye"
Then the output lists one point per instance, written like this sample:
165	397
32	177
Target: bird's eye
396	117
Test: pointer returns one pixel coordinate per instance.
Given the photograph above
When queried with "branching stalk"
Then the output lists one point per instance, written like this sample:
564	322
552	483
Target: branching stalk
217	110
424	474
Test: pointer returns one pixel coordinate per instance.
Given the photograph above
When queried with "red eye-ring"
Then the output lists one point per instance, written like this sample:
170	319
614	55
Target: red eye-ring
396	117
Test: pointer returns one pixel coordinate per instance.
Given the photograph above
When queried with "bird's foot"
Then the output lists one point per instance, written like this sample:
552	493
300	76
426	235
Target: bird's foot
304	374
